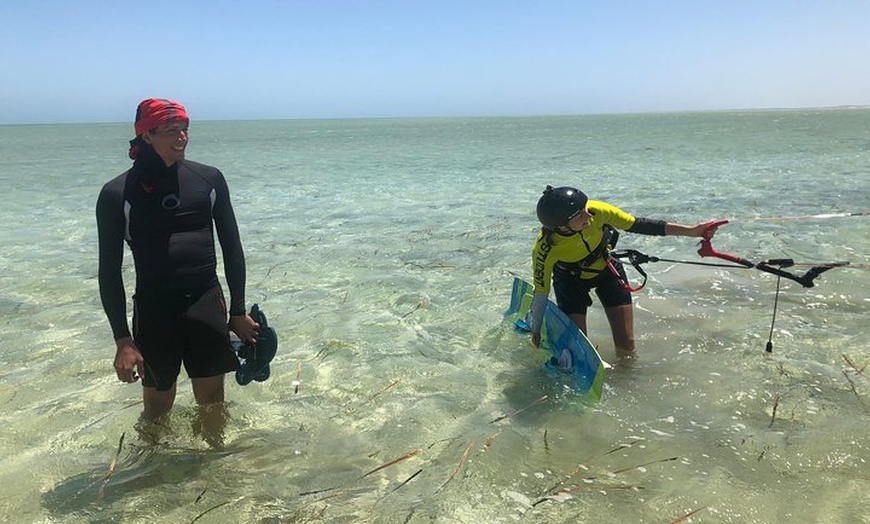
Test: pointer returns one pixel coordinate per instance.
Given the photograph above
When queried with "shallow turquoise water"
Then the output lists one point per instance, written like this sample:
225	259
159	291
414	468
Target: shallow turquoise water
383	252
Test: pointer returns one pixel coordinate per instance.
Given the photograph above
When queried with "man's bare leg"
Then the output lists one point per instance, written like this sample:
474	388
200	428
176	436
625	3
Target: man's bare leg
155	416
211	418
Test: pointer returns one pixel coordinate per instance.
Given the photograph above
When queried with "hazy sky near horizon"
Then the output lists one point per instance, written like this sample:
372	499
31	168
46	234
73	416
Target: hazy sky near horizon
94	60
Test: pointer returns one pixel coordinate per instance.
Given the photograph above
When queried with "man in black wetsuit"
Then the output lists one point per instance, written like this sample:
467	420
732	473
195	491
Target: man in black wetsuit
167	209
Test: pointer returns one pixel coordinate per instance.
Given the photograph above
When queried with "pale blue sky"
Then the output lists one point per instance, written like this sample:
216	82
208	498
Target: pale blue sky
92	60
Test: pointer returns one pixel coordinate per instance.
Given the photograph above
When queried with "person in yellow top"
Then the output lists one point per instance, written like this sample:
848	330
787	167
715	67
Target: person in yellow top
571	249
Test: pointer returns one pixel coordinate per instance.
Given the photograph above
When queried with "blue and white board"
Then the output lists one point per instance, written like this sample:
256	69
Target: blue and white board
572	353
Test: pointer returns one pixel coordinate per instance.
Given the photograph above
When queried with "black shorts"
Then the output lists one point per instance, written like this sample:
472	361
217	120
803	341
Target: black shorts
572	293
172	328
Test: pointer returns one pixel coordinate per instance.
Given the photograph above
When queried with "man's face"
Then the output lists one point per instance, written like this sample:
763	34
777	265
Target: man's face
169	141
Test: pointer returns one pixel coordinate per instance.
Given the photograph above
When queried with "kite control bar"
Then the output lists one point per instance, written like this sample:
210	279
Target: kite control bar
772	266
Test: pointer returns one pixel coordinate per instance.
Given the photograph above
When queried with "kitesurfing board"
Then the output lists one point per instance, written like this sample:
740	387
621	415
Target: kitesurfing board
573	356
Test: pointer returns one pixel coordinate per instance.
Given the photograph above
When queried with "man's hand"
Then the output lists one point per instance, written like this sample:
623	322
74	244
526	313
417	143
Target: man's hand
245	328
129	364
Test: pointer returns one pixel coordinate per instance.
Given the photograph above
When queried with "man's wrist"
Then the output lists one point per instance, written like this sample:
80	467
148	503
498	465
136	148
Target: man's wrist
122	342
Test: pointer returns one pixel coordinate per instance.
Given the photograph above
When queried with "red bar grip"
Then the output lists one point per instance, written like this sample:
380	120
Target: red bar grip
708	233
706	250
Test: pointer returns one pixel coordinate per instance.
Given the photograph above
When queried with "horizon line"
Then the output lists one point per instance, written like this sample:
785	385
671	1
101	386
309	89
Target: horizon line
841	107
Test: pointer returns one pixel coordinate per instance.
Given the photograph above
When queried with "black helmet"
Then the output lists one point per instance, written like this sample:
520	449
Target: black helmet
559	205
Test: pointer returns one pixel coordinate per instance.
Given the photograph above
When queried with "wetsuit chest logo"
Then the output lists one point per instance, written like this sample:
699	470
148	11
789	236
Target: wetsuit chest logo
171	201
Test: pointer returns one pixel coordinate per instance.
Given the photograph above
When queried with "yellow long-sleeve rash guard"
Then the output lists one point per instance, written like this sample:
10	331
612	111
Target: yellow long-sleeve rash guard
572	248
576	246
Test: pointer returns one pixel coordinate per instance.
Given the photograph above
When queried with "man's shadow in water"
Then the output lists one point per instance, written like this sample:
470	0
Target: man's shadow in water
142	467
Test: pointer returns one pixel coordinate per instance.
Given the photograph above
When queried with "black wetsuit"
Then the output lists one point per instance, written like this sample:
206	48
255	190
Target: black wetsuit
168	216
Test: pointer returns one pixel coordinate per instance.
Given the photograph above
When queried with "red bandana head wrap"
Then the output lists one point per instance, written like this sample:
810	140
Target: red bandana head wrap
154	112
